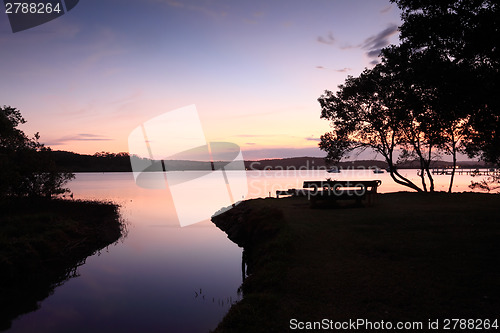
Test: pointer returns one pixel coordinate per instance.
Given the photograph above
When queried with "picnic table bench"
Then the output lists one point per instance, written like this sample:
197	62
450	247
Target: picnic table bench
293	192
333	190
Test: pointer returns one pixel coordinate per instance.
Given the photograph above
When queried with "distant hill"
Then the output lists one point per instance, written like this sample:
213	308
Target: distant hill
308	163
110	162
99	162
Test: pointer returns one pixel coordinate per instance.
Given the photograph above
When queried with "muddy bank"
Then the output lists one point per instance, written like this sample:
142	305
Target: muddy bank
261	229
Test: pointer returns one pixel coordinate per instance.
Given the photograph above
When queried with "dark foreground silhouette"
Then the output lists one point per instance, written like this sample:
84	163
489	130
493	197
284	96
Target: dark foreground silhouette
43	242
409	257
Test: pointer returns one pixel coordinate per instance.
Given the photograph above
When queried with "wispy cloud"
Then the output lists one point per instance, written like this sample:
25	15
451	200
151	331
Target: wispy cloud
254	135
255	17
341	70
194	6
57	30
78	137
313	139
262	153
329	39
261	114
374	44
386	9
347	46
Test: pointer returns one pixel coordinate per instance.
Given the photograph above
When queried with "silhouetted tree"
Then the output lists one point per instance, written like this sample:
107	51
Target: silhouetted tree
26	166
436	92
464	31
382	110
465	34
428	86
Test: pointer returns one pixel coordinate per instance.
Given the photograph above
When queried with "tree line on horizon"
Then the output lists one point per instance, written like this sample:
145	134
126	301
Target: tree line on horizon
434	94
69	162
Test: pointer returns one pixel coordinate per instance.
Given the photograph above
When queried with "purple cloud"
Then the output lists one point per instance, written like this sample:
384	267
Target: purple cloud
342	70
329	39
386	9
374	44
78	137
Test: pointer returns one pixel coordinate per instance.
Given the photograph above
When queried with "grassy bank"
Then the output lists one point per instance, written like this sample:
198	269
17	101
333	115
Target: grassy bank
409	257
42	242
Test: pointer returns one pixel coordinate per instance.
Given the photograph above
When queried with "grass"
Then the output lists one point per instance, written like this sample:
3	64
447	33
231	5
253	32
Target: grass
410	256
42	242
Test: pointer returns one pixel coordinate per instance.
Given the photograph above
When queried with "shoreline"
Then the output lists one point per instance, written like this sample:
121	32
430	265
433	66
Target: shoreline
409	257
120	162
43	242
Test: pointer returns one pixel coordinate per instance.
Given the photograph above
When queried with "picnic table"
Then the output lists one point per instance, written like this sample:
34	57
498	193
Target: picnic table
333	190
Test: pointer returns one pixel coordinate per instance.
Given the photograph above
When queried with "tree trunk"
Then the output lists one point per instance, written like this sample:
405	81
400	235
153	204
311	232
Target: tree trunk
454	154
402	180
394	174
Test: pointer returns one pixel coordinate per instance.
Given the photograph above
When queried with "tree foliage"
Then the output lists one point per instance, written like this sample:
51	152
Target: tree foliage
26	165
381	111
466	33
435	93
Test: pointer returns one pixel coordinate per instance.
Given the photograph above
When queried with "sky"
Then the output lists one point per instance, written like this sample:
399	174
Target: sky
254	69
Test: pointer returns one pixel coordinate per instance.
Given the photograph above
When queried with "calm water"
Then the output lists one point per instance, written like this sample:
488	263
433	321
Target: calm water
151	280
161	277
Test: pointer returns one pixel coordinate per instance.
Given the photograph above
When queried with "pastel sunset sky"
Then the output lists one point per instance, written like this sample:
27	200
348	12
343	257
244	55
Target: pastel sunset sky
254	69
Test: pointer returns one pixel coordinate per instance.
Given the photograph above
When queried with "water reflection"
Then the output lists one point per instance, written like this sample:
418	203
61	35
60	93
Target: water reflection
25	293
243	265
223	302
147	282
